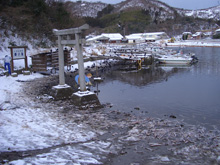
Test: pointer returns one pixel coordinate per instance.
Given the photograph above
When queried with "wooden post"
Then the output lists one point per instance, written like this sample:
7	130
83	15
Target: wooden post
25	60
12	61
80	62
61	62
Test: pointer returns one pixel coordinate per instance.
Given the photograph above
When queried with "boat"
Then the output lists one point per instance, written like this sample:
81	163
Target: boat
178	58
129	53
171	59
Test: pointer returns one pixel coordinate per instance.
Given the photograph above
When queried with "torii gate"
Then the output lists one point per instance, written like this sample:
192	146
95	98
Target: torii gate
64	38
63	90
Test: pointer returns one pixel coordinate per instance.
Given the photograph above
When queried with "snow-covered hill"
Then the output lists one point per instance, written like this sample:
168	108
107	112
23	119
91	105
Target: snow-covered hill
155	8
209	13
85	9
89	9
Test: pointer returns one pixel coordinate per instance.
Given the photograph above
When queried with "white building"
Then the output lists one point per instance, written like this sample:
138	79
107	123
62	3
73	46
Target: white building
197	35
107	38
135	38
146	37
217	31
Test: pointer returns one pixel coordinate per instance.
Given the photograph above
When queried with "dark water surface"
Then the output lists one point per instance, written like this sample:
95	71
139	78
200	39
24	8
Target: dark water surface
191	93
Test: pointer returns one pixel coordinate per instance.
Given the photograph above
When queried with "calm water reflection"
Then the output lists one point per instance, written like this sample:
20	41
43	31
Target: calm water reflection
190	93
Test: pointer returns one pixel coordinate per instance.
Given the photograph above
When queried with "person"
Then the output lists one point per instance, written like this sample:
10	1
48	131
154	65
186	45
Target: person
7	61
87	81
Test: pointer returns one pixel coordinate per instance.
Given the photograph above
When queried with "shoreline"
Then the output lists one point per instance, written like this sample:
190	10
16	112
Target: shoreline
195	43
193	46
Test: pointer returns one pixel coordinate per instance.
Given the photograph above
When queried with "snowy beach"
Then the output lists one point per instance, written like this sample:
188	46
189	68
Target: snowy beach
37	130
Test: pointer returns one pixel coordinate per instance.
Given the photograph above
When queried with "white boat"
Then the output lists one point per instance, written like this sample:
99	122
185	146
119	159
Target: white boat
175	59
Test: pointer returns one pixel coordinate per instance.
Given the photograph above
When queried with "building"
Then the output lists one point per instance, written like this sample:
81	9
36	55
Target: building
186	35
155	35
217	31
146	37
107	38
216	35
135	38
197	35
41	61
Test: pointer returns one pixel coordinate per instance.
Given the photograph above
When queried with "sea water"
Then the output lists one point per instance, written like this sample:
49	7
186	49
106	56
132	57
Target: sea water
188	93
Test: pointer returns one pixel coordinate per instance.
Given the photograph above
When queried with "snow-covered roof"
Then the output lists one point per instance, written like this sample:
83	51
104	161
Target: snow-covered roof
113	36
134	36
107	36
99	37
218	30
207	33
197	34
144	35
154	33
187	33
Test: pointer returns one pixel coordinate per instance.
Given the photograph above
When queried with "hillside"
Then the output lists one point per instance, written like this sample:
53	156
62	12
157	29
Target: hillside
133	16
209	13
33	20
89	9
156	9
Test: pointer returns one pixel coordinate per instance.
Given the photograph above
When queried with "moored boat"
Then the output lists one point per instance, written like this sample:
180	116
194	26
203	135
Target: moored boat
175	59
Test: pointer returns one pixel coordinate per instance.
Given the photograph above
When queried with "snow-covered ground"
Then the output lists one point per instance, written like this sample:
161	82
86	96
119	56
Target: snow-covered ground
195	43
26	125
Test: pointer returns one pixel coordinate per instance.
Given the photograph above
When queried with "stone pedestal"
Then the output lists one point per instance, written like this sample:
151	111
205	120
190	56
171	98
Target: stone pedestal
61	92
26	72
14	75
85	98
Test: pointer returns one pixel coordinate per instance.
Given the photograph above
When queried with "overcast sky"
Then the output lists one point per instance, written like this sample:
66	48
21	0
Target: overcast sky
186	4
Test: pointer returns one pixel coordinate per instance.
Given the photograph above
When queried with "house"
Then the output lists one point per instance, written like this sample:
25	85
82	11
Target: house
107	38
216	34
186	35
207	34
146	37
134	38
155	36
217	31
197	35
113	37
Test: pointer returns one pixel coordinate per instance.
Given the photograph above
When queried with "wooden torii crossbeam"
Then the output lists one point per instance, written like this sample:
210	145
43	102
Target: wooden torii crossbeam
65	39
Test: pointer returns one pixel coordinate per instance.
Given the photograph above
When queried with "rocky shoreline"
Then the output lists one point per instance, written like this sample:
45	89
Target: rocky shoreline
131	139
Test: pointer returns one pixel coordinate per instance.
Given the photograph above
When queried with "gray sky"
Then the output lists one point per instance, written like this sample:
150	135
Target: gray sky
186	4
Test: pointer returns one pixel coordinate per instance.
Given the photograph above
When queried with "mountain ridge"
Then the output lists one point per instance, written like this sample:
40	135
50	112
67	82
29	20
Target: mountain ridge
130	16
91	9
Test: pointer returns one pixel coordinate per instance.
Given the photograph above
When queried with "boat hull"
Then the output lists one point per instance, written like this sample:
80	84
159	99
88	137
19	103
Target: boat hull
175	60
166	61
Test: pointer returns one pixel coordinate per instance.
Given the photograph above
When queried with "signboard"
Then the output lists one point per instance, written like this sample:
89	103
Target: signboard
18	53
